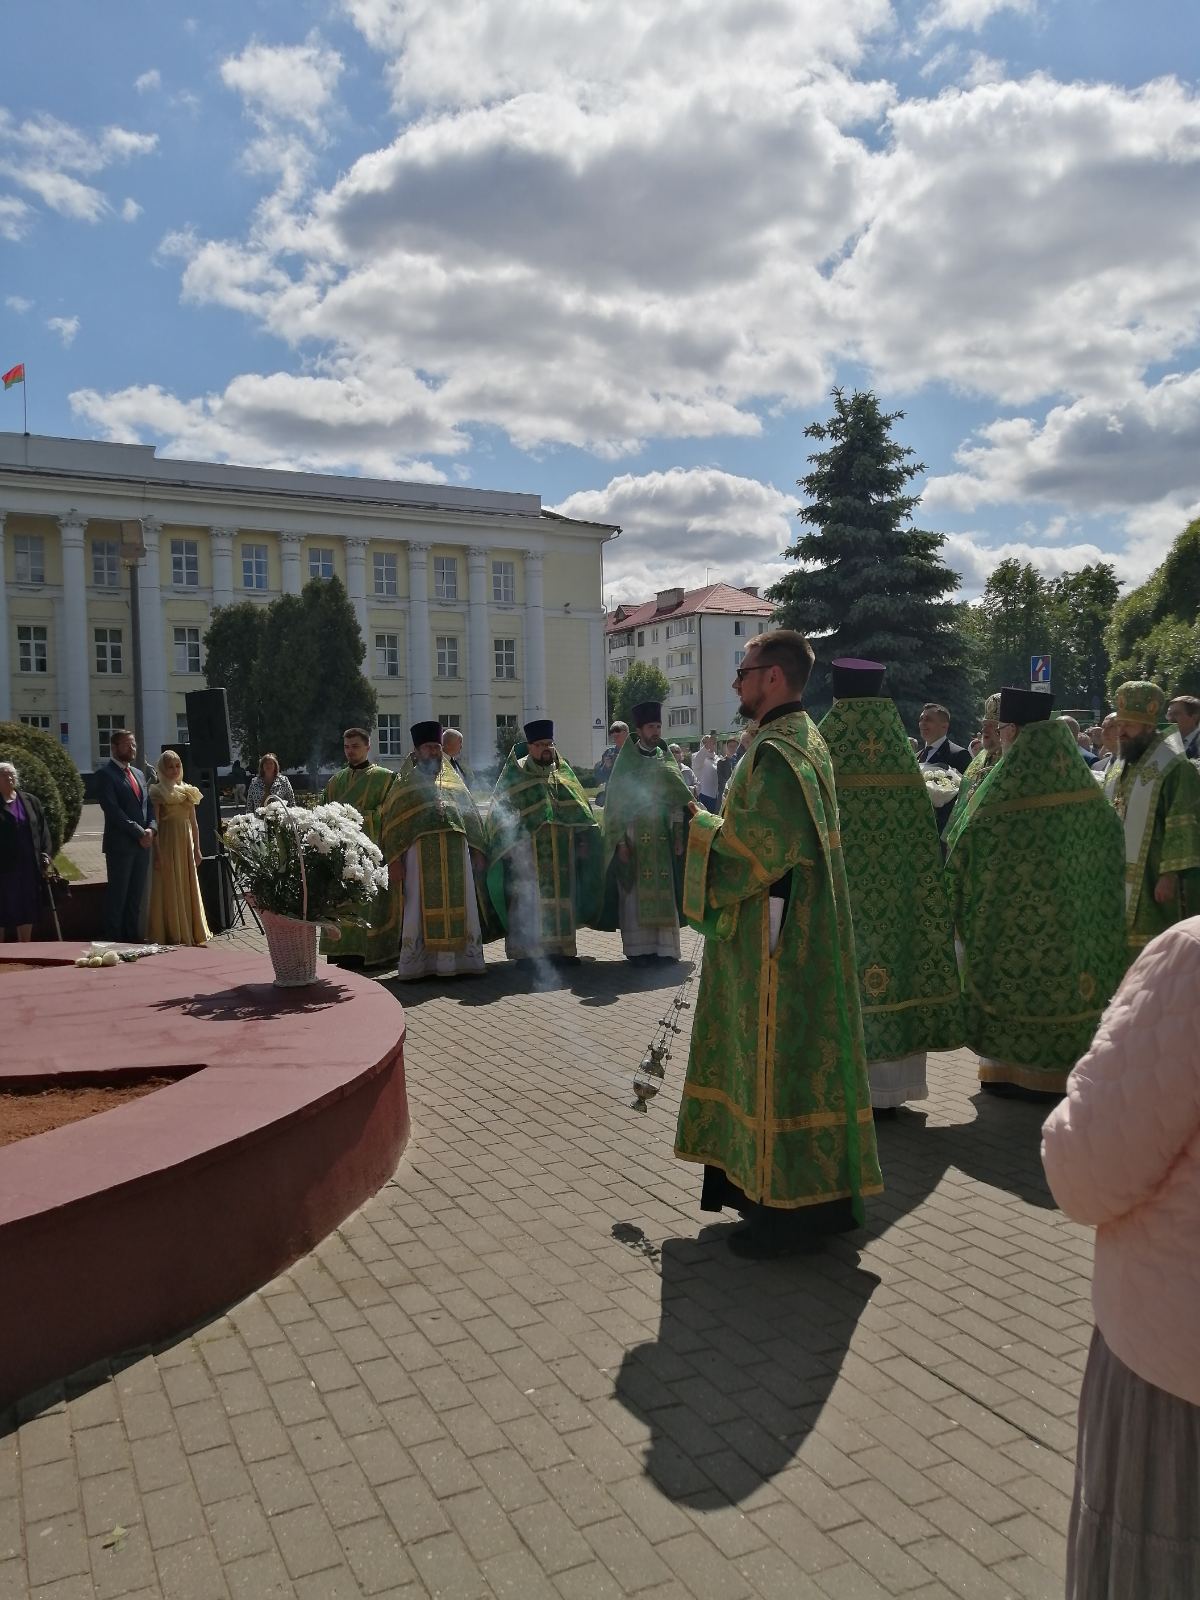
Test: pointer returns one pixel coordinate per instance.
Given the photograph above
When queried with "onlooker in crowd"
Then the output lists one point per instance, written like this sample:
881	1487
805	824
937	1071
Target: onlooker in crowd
176	909
704	766
1095	737
238	779
689	777
725	766
617	734
25	853
936	749
1108	743
1085	744
452	744
1122	1154
129	829
269	784
1184	712
746	740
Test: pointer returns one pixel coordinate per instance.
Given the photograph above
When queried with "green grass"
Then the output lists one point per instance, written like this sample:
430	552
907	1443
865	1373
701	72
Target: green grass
67	867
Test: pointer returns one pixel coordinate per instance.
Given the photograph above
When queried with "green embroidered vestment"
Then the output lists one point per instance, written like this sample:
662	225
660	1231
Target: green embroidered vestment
368	790
978	769
1035	881
436	812
647	798
776	1092
1169	842
903	933
546	807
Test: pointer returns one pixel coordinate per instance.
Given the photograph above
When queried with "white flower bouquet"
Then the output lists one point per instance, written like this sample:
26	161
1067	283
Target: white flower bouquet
313	864
941	784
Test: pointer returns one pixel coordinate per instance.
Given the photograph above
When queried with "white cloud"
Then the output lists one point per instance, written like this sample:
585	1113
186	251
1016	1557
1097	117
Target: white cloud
688	526
16	218
147	82
65	327
18	303
130	210
968	15
47	156
293	83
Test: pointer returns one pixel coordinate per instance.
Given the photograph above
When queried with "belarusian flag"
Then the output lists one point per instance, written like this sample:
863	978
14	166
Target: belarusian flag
14	375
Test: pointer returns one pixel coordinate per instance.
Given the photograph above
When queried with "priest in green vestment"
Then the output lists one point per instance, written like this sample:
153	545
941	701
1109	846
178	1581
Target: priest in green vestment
903	934
646	813
1035	886
543	851
433	839
776	1103
1156	792
373	938
981	764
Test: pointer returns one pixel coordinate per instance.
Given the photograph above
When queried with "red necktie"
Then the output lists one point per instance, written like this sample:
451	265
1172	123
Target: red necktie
133	783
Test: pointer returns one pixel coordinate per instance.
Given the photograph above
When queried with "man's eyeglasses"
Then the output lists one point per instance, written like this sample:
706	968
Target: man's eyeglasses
741	672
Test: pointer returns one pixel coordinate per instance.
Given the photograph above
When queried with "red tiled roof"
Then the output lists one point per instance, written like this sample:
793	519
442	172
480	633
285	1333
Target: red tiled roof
720	598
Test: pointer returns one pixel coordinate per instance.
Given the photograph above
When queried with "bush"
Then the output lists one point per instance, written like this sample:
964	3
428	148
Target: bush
36	780
52	756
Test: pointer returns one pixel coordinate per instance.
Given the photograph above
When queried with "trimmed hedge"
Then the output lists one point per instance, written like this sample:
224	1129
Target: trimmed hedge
53	756
34	776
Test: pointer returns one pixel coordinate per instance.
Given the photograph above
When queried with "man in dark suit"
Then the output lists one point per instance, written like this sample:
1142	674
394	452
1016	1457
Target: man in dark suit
936	750
129	829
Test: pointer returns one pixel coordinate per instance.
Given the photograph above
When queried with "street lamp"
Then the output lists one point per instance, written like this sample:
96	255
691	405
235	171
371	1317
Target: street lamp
133	553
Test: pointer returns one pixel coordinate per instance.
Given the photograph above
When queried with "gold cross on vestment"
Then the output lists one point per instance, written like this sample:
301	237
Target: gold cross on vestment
872	748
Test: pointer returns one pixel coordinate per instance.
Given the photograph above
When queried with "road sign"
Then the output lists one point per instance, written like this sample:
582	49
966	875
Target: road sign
1039	671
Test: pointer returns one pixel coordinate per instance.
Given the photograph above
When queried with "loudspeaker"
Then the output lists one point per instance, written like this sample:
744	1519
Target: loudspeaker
216	890
208	727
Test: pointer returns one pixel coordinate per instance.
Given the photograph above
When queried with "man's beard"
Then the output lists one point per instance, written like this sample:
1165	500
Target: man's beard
1134	749
430	765
544	761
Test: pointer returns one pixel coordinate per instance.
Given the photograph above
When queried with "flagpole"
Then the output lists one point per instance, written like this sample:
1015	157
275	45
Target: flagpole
25	403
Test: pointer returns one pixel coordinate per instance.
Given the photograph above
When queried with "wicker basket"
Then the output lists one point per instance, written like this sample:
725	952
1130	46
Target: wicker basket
293	948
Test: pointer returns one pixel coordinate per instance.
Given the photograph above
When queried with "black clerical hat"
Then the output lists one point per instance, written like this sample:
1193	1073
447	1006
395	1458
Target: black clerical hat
648	711
426	733
853	679
542	728
1023	706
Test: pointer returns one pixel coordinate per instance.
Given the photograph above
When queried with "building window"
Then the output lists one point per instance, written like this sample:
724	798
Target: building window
33	654
36	719
641	637
108	723
445	578
506	722
450	719
384	567
387	655
740	628
447	656
505	651
106	563
254	566
684	658
621	667
29	557
185	563
684	686
738	657
654	636
762	627
684	625
681	717
504	582
181	728
187	650
391	735
320	563
108	650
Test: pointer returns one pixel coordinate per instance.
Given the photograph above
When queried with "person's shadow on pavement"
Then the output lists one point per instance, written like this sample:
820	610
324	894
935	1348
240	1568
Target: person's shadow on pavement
746	1356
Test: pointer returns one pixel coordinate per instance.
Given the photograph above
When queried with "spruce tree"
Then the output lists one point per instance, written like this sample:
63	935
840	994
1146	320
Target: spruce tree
870	584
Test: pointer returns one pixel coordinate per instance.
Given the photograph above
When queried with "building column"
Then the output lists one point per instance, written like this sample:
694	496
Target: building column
420	676
535	636
356	588
6	705
481	730
75	639
221	546
158	729
599	669
289	544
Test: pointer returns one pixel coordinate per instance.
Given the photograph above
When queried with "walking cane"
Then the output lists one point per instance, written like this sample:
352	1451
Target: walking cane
48	881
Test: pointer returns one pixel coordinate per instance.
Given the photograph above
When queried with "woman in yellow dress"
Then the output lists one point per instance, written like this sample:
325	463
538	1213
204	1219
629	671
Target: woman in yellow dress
176	910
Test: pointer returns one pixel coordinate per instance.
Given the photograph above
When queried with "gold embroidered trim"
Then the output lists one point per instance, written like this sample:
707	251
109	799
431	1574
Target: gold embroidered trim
881	780
813	1119
1038	802
907	1005
780	1205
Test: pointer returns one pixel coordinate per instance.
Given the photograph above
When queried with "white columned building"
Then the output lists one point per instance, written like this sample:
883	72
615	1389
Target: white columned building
356	587
420	676
6	703
74	642
535	636
156	732
480	733
221	546
289	546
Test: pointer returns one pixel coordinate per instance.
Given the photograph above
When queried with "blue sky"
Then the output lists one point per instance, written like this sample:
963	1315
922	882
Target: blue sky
618	253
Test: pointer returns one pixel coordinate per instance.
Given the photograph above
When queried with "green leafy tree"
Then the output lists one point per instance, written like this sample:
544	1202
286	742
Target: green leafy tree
46	748
232	649
612	695
506	737
1082	605
36	777
1155	631
342	696
868	583
283	686
640	683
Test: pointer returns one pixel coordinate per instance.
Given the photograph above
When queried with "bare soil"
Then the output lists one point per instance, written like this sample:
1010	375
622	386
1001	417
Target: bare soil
24	1113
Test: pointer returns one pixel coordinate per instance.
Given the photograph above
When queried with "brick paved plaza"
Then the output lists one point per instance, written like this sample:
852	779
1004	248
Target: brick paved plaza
530	1368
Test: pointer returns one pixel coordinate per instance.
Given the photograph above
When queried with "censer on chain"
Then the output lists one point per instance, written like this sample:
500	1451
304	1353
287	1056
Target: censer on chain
648	1078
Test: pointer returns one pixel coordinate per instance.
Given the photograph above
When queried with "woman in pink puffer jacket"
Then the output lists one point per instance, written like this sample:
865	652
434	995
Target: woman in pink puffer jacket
1122	1152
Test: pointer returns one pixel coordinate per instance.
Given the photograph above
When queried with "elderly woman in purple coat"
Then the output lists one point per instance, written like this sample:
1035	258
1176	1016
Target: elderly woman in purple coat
25	852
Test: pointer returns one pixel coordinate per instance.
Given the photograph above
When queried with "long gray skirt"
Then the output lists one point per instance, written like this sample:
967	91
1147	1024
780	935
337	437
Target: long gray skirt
1135	1521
